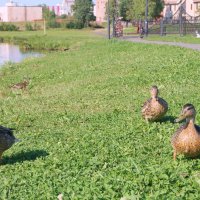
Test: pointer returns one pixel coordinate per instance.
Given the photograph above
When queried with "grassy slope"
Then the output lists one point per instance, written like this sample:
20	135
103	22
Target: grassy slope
81	129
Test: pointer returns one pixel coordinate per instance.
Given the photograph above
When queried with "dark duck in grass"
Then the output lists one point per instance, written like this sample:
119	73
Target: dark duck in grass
155	107
7	139
186	139
20	86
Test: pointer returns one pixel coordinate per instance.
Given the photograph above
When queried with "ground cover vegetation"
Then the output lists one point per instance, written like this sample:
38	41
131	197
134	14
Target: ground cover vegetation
51	41
175	38
81	127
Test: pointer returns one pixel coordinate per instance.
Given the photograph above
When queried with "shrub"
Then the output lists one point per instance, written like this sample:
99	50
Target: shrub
53	24
29	27
95	25
8	27
74	25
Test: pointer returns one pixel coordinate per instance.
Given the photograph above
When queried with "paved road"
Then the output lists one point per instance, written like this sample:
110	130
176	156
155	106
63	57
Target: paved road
180	44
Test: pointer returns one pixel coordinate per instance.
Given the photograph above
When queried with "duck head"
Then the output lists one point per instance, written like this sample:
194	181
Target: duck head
154	92
188	112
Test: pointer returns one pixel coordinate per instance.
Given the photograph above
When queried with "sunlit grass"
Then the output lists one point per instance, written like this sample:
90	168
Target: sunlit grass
81	128
175	38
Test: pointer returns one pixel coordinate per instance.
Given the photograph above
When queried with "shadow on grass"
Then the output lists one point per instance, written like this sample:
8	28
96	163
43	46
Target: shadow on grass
24	156
167	119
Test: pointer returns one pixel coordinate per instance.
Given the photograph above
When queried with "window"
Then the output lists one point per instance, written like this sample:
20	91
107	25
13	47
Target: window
174	7
197	6
191	6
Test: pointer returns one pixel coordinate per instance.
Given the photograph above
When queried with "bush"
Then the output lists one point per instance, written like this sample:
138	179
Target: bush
29	27
74	25
53	24
95	25
8	27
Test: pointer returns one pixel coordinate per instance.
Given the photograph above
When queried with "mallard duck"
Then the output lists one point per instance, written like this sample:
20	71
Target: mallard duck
186	140
7	139
20	86
155	107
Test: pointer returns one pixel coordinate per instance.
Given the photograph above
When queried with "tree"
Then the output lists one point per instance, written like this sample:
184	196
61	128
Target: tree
47	14
136	9
123	8
83	11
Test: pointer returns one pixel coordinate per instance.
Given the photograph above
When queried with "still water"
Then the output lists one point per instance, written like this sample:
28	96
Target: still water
12	53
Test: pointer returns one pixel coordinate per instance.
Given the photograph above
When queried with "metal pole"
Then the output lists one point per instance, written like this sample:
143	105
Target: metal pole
180	21
146	18
161	27
114	17
113	25
44	26
108	20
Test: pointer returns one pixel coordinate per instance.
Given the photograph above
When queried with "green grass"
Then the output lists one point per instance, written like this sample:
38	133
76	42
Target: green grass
81	128
175	38
130	30
54	39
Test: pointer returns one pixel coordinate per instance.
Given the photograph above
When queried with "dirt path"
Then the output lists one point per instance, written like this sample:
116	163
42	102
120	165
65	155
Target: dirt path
136	39
180	44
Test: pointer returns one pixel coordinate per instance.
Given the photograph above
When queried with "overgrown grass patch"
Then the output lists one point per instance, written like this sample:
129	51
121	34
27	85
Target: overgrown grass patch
81	129
52	40
175	38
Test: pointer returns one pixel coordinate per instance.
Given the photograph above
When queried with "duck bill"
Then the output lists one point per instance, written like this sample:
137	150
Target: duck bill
180	118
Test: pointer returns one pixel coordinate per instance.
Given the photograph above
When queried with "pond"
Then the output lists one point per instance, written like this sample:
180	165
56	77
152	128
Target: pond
12	53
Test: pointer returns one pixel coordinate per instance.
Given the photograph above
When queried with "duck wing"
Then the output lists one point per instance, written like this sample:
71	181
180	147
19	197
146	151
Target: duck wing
5	130
197	128
163	103
177	133
146	105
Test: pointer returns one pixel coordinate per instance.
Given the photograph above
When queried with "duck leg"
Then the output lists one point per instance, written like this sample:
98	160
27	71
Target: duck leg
147	120
174	155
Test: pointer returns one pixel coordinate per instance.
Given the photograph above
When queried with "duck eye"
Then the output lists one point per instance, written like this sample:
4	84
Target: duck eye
190	108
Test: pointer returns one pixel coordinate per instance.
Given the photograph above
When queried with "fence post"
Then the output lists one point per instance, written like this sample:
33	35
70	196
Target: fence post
146	17
161	27
180	21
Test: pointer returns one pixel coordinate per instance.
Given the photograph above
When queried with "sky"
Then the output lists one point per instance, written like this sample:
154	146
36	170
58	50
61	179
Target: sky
32	2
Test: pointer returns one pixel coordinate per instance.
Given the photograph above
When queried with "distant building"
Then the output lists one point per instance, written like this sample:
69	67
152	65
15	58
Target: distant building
190	8
95	10
66	7
56	9
100	10
11	12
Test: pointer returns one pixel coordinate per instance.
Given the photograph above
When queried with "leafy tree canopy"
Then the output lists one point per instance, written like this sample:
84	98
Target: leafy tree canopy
83	11
135	9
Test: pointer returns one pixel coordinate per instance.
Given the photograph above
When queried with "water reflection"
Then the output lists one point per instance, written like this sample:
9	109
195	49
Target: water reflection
12	53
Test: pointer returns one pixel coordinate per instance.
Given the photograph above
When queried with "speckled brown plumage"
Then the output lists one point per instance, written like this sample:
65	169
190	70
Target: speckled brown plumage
186	140
20	86
7	139
154	108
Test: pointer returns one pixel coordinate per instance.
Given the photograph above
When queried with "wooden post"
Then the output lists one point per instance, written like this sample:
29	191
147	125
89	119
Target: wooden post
44	26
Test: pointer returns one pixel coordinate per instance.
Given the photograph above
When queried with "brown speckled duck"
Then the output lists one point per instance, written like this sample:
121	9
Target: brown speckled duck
155	107
186	139
20	86
7	139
